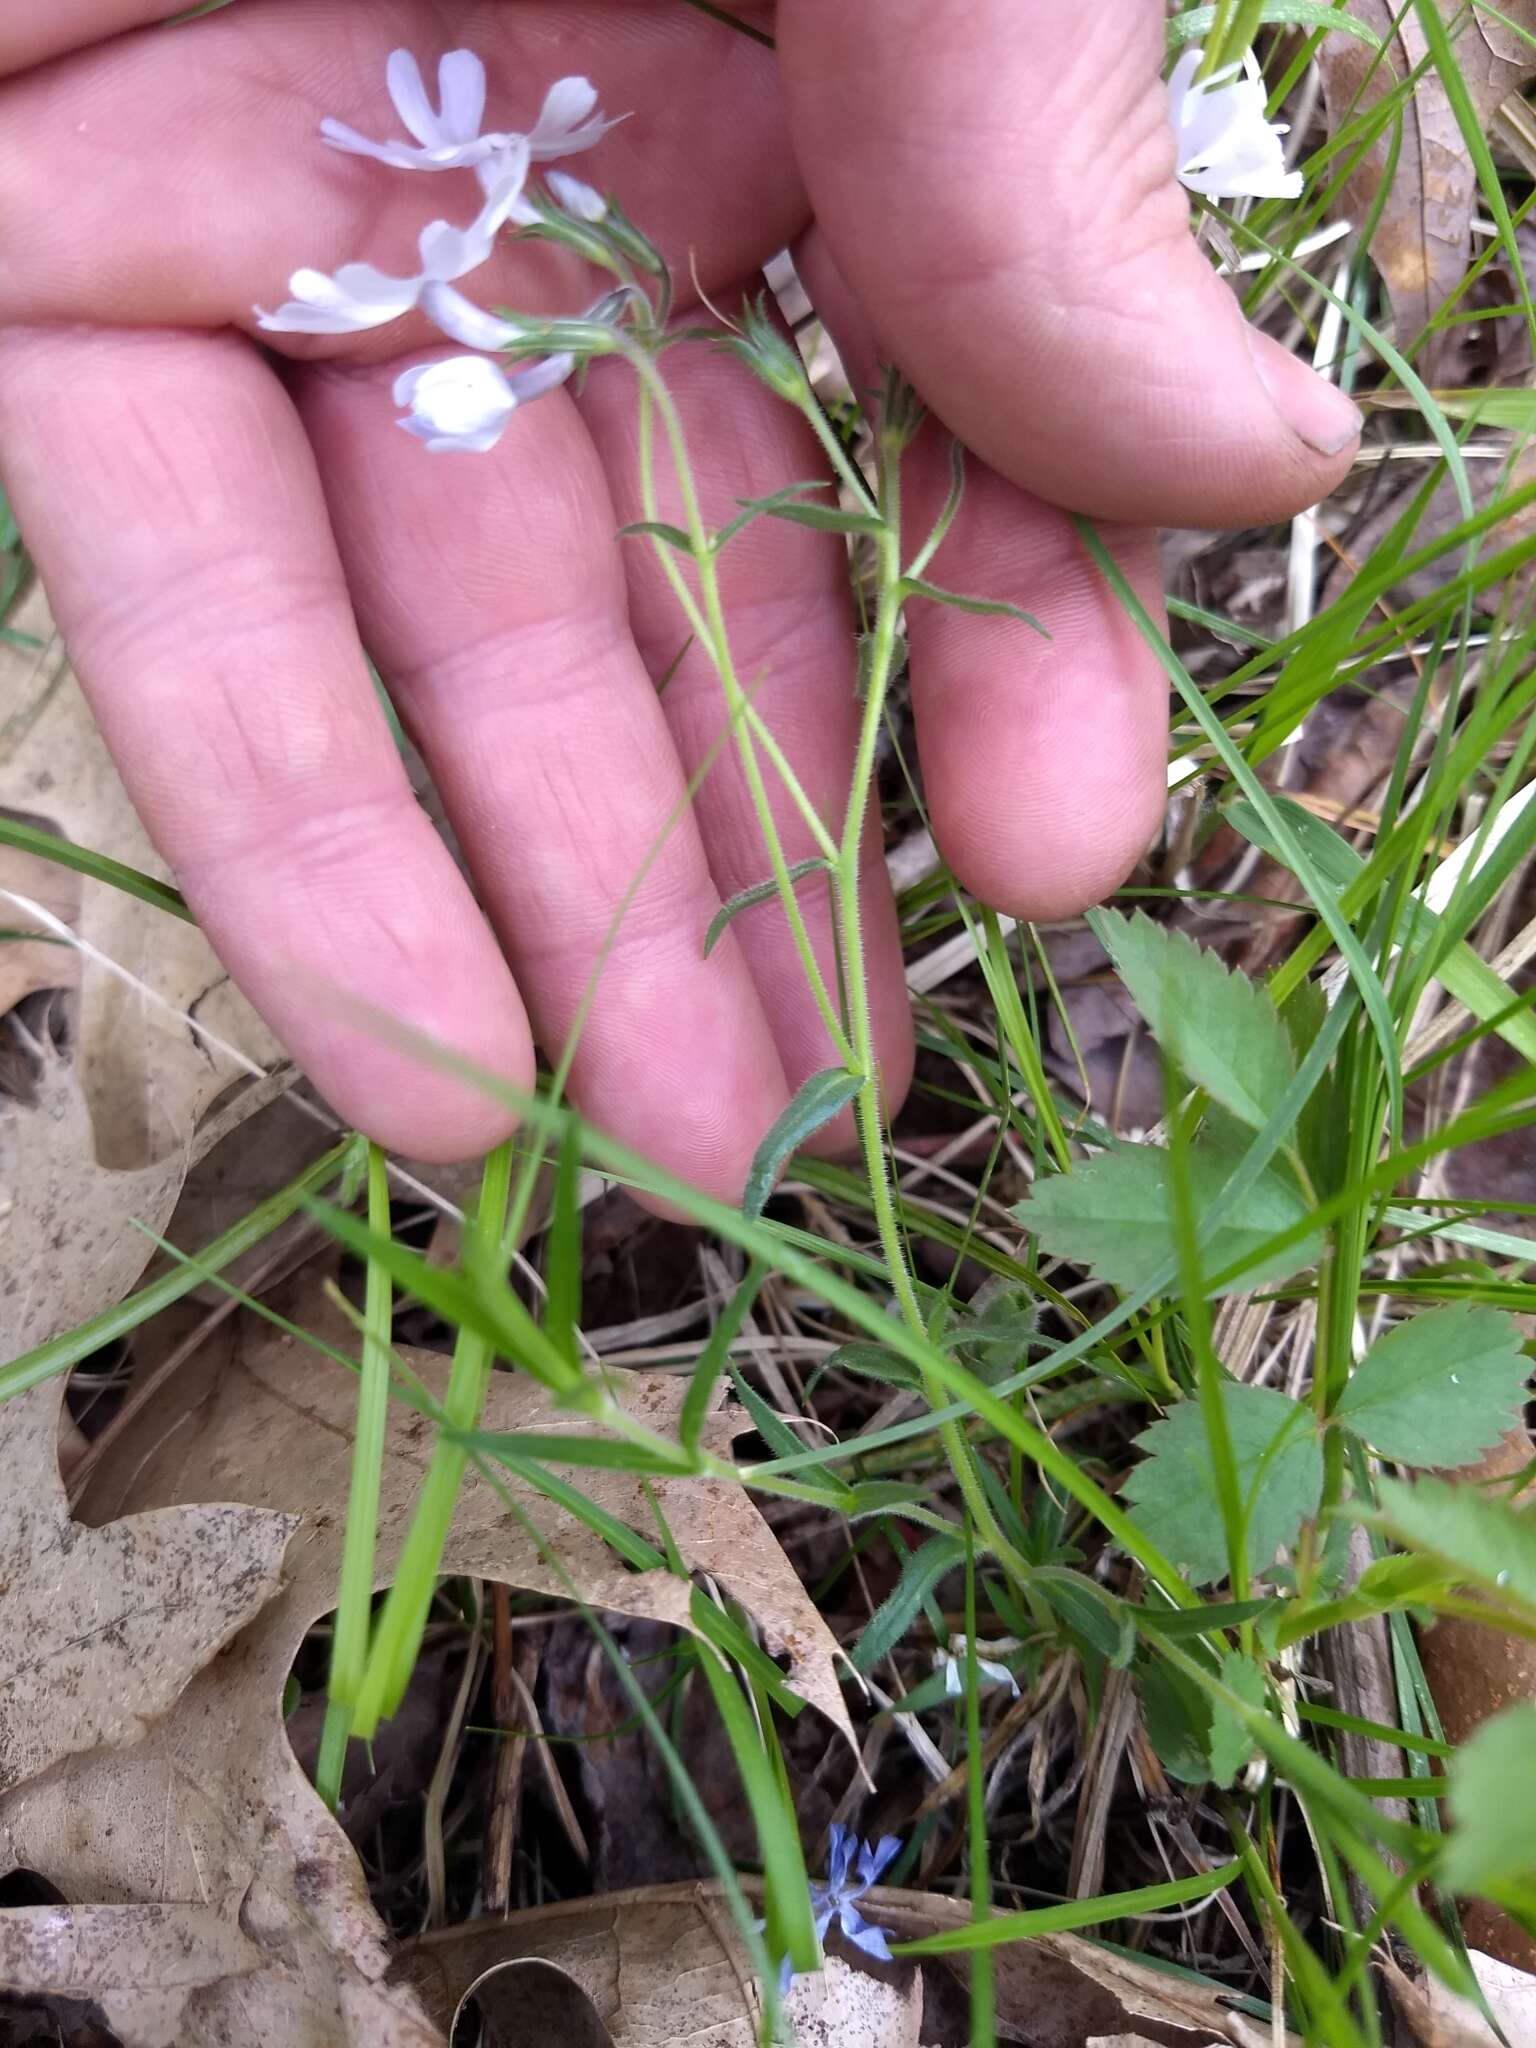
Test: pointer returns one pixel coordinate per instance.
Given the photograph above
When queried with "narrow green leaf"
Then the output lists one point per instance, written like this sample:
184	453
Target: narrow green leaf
873	1361
923	1570
1231	1745
1177	1623
1493	1804
788	1891
758	508
1220	1027
1490	1544
60	1353
1114	1215
99	867
713	1357
826	518
657	529
474	1302
984	607
1280	1477
759	892
620	1538
1010	1927
816	1102
1439	1389
562	1263
612	1454
1194	24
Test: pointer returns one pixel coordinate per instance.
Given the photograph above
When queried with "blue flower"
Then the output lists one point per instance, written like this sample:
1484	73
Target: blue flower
852	1867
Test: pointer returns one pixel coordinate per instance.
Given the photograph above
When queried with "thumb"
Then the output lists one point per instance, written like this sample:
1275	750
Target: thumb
995	179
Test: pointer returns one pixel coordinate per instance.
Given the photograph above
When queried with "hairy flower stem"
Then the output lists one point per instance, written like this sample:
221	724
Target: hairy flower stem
868	1108
706	615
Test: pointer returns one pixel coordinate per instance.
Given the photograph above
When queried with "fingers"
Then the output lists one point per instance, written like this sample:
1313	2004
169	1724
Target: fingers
29	34
787	606
995	181
490	590
1043	760
179	176
172	506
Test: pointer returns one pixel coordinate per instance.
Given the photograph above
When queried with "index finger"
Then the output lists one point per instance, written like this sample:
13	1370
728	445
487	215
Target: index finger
175	515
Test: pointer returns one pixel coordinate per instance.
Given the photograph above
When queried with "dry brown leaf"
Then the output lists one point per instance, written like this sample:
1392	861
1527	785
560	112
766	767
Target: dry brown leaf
1438	2018
1424	237
27	965
1474	1672
146	1077
102	1627
68	1242
663	1965
212	1806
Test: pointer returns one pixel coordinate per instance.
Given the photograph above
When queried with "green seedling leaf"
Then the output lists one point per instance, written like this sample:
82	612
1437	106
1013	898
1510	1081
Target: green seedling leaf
756	508
760	892
1197	1739
1114	1215
1439	1389
826	518
875	1362
1192	24
1488	1543
1493	1804
1177	1623
1230	1743
657	529
816	1102
1091	1613
923	1570
984	607
1220	1027
1178	1718
1279	1465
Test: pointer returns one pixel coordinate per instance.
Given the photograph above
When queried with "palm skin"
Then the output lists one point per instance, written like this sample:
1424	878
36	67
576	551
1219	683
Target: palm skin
222	533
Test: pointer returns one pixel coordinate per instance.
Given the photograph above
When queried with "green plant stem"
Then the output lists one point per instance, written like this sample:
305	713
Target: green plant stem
354	1595
868	1107
392	1655
707	617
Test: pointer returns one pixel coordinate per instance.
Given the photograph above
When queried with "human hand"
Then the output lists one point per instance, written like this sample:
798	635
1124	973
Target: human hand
221	537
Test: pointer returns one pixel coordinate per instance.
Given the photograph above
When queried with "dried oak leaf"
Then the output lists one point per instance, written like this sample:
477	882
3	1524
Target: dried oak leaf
102	1627
662	1965
212	1810
1424	237
146	1077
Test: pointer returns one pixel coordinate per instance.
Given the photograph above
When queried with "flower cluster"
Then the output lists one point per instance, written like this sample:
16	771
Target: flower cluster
1227	148
458	402
853	1868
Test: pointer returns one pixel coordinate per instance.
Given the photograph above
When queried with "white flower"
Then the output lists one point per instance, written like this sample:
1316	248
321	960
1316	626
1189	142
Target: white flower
953	1667
464	402
1226	147
461	320
448	136
359	296
577	197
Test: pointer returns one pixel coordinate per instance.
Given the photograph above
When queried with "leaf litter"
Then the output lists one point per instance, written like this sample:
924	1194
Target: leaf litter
212	1805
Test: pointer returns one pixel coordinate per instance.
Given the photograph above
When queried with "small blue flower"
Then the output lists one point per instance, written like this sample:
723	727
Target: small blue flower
838	1898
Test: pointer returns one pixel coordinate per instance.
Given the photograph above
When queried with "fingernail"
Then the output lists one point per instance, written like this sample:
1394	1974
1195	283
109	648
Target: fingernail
1315	410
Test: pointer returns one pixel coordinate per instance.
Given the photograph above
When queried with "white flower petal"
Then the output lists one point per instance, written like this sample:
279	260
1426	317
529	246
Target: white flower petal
576	196
461	320
566	105
1227	148
461	88
534	380
456	402
407	89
